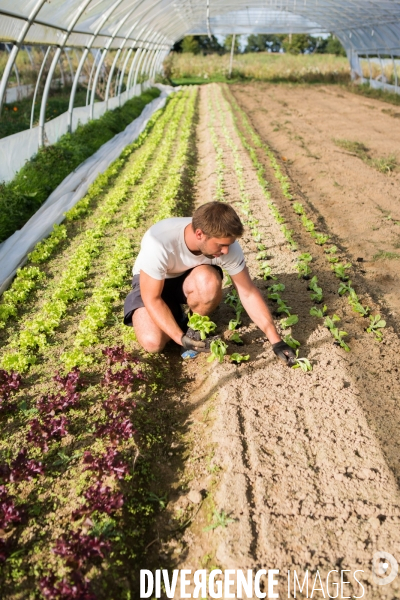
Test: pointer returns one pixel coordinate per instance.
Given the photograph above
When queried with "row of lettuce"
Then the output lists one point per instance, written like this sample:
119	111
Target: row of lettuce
76	447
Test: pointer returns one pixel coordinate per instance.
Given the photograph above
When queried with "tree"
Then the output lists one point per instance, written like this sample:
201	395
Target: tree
228	43
190	44
333	46
209	46
262	41
297	43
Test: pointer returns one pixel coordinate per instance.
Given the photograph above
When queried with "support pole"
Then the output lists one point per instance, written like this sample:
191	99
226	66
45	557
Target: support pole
232	51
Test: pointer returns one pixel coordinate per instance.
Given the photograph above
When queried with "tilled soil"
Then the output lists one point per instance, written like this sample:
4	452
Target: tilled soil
305	466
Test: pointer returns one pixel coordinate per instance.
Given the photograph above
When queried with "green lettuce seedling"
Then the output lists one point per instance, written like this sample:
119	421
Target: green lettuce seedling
356	304
303	269
202	324
332	259
218	350
261	247
238	358
345	288
233	323
318	312
316	295
228	280
321	239
275	296
339	335
267	273
276	287
232	298
290	341
262	255
298	208
308	224
330	322
376	323
283	307
236	338
302	363
340	270
289	321
305	257
331	250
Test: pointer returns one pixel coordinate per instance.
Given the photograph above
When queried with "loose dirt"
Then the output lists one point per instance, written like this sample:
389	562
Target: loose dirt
301	470
360	205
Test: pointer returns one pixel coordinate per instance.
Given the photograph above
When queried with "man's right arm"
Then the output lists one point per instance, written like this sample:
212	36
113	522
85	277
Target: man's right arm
151	290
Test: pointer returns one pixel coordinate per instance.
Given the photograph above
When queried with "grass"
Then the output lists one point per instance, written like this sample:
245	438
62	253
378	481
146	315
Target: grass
39	177
384	164
369	92
383	255
262	66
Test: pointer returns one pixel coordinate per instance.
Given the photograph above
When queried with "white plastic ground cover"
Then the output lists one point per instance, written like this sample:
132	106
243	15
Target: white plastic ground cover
16	149
14	251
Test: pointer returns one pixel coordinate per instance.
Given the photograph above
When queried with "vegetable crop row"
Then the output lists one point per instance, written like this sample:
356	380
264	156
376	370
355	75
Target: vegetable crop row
116	266
28	278
34	336
339	269
219	161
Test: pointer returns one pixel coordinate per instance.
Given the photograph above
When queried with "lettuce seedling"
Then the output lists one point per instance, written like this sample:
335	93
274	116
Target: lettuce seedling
321	238
331	250
345	288
376	323
302	363
261	247
330	322
340	270
257	236
276	287
233	323
318	312
305	257
202	324
289	321
308	224
218	350
290	341
232	298
316	295
228	280
332	259
238	358
283	307
339	335
267	273
275	296
298	208
262	255
236	339
356	304
303	269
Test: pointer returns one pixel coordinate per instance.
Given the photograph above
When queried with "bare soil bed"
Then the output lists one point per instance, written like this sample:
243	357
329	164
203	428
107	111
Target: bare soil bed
305	467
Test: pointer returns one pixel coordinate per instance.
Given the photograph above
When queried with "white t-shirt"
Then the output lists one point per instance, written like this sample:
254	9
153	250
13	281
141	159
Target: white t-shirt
164	254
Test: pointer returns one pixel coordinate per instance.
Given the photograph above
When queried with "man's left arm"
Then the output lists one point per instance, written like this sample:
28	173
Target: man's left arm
258	311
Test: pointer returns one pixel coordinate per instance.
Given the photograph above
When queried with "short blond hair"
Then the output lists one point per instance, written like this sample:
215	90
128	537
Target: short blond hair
217	219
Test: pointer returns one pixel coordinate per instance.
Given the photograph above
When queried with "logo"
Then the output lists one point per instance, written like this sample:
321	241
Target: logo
384	568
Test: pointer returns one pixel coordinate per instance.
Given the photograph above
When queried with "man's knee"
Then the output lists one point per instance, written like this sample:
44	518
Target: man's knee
207	283
151	344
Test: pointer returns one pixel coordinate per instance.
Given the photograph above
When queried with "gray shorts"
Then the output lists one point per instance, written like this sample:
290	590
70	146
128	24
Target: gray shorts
172	295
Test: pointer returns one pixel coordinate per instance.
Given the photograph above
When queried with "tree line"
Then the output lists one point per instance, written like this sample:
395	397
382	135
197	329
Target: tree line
296	43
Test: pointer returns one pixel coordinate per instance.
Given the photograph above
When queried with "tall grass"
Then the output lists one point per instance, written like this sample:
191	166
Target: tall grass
262	66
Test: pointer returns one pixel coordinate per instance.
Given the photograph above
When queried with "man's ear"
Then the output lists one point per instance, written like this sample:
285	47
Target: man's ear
200	236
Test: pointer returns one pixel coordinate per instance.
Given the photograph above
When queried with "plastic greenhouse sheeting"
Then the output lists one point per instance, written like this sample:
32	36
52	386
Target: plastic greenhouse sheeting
16	149
362	25
14	250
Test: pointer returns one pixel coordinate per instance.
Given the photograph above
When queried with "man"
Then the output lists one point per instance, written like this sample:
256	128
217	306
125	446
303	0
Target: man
180	262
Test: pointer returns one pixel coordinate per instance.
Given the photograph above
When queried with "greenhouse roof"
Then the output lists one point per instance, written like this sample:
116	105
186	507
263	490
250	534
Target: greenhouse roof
364	26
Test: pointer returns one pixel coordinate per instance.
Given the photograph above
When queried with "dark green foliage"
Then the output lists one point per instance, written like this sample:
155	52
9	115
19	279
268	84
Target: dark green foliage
21	197
199	44
261	42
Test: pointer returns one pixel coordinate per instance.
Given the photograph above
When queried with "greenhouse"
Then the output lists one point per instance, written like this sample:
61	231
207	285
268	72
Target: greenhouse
199	308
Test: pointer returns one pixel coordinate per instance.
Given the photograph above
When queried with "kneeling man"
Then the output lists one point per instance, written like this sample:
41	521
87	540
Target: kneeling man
180	262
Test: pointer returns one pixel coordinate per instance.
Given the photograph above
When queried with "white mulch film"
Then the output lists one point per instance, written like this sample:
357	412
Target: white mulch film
14	251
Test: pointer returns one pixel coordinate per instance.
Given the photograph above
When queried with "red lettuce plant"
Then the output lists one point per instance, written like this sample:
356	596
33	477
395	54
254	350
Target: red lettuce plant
124	378
9	383
118	354
102	498
117	428
21	468
109	463
50	428
9	514
77	589
80	547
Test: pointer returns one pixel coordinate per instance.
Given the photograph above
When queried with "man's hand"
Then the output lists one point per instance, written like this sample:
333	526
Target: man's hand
285	353
190	344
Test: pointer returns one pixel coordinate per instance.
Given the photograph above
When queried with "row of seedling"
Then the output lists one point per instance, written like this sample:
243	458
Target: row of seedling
117	265
34	336
28	278
219	161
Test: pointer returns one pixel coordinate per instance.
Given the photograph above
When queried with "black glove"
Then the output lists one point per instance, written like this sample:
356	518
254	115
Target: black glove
285	353
190	344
